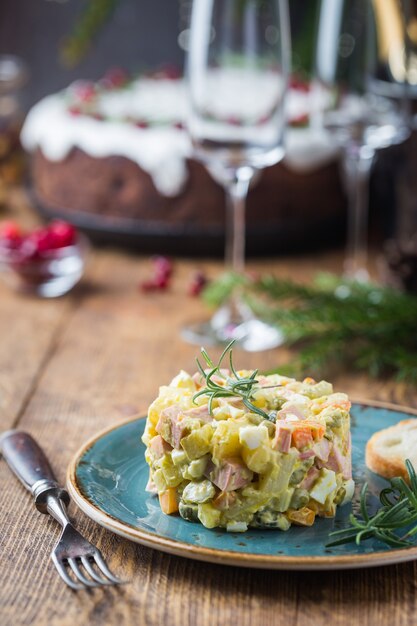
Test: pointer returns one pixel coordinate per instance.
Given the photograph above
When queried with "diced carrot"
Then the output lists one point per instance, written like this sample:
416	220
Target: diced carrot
344	405
309	381
302	437
317	429
168	501
302	517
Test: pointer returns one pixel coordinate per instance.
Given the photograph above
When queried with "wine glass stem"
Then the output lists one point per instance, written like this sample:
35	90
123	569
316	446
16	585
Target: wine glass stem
357	168
236	194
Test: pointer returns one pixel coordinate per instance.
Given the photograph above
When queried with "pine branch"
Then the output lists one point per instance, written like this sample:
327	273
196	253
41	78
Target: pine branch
368	327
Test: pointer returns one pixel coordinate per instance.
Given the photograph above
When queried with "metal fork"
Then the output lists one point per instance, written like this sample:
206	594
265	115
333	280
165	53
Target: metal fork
79	563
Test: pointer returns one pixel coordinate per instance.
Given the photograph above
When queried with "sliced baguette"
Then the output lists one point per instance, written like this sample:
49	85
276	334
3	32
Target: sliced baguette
387	450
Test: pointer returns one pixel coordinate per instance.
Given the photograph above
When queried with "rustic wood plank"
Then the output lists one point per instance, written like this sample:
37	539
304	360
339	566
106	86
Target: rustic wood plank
109	358
28	332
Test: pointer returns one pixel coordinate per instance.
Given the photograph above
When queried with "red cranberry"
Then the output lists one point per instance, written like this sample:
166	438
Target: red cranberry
162	274
234	121
158	283
299	84
74	111
114	78
300	120
163	266
62	234
168	71
10	234
198	282
97	116
142	124
85	91
35	244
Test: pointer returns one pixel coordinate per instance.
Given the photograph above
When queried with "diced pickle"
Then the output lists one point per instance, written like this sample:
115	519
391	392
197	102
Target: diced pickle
171	473
208	515
197	443
267	518
199	492
300	498
188	511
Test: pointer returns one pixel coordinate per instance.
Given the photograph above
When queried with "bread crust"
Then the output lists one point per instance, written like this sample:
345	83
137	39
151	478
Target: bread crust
387	449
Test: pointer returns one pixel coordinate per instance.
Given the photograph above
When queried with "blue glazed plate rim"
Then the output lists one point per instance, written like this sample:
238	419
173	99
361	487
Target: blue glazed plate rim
229	557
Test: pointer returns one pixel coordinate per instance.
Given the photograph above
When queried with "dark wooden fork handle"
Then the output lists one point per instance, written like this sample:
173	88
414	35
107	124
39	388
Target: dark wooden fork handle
28	461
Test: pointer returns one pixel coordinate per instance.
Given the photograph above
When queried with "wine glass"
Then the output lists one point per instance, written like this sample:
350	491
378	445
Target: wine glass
360	98
237	72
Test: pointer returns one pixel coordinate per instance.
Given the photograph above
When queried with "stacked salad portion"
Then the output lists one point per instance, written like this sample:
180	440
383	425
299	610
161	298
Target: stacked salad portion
277	455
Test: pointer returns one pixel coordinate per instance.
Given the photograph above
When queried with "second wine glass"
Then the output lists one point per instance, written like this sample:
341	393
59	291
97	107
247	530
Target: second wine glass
237	72
361	99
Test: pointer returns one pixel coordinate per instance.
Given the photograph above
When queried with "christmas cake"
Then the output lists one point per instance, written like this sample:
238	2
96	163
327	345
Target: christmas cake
115	153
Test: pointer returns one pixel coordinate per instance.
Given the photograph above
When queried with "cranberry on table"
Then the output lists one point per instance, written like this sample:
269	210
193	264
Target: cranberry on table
198	282
162	272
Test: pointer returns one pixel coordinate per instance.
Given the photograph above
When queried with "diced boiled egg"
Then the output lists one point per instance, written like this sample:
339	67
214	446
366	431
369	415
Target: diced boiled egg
324	486
253	436
290	417
296	399
227	411
183	380
350	488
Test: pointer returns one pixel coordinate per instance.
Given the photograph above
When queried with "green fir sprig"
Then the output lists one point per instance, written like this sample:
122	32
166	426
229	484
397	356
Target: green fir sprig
331	321
231	385
95	14
395	521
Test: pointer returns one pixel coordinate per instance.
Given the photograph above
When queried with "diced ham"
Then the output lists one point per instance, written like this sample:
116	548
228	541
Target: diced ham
210	467
307	454
343	461
232	474
233	400
337	461
200	412
310	478
159	446
198	379
291	410
171	425
282	439
225	500
322	449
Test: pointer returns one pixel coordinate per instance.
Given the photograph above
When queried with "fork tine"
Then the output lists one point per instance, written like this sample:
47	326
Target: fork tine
64	575
90	569
100	562
78	574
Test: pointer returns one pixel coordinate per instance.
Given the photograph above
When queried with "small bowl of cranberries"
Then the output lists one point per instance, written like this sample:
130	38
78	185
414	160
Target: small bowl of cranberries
47	261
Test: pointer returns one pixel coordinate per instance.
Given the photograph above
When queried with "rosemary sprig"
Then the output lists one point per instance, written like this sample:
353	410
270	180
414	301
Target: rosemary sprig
397	514
231	386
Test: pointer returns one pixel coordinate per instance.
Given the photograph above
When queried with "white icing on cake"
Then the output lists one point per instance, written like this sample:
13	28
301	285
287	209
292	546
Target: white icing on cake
161	149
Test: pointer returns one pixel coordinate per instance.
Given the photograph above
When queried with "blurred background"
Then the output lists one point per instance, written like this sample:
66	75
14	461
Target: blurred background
65	40
50	36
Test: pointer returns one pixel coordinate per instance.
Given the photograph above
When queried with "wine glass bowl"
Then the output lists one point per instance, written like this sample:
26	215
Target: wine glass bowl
237	71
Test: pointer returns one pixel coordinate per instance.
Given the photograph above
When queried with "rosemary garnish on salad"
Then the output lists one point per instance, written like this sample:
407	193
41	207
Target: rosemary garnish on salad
230	386
393	522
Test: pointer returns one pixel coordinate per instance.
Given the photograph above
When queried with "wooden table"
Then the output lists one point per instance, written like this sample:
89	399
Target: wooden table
73	366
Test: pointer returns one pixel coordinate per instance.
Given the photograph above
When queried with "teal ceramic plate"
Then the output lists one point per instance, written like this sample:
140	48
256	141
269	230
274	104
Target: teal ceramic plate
107	480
